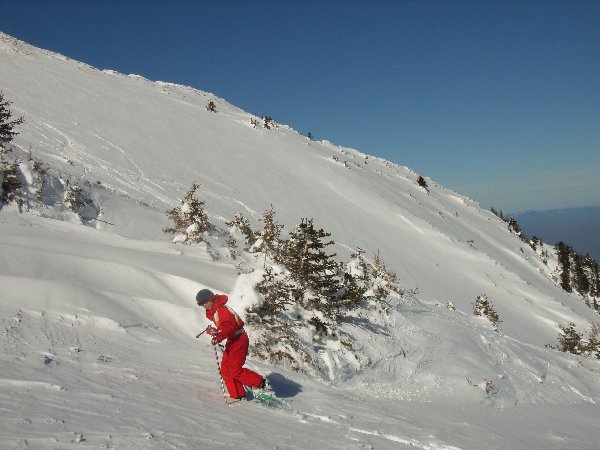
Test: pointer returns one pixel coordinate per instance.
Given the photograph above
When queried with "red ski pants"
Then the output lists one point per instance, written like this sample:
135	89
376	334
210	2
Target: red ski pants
234	375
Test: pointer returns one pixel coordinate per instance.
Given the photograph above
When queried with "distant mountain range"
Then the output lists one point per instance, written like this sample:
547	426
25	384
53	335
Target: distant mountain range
577	227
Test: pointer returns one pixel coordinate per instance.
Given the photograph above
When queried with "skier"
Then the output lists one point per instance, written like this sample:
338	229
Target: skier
229	326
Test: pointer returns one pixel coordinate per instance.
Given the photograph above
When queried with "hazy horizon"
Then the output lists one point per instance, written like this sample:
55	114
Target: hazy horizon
577	227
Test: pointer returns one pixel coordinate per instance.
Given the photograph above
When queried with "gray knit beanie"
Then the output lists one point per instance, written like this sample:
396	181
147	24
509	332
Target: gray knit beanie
204	296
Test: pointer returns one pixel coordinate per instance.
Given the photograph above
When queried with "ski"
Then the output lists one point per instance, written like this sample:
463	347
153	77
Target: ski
266	398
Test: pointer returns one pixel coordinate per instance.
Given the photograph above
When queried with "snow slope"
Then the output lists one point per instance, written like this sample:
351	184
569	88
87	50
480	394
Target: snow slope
99	322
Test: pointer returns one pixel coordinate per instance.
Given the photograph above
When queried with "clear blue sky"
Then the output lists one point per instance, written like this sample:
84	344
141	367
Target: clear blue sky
499	100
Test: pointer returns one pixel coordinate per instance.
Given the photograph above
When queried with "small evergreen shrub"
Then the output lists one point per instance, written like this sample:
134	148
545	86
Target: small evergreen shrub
190	221
241	224
483	307
573	342
7	124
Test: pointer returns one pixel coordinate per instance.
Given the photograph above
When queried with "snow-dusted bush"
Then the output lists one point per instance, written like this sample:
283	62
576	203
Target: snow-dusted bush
189	219
384	280
573	342
267	122
423	183
76	198
269	239
570	339
483	307
40	171
242	225
211	107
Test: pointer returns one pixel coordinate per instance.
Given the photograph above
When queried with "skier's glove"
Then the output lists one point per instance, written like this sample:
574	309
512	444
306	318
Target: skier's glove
216	339
211	330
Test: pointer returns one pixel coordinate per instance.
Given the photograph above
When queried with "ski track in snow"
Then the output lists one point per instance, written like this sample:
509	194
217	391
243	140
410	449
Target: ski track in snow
393	438
27	385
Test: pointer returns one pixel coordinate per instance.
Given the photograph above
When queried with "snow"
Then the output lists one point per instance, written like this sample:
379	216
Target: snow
98	318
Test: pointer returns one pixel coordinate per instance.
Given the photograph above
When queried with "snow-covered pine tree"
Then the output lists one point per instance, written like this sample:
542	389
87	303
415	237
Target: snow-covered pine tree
385	280
483	307
6	124
41	171
189	219
243	225
570	339
267	122
76	198
9	178
594	283
277	339
315	271
581	282
593	344
270	237
564	264
514	227
356	280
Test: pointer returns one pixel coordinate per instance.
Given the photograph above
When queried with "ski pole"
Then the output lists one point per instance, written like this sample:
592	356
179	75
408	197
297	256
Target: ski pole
200	334
220	376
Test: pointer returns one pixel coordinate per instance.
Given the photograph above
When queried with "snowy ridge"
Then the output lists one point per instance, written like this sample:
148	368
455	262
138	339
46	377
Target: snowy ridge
98	320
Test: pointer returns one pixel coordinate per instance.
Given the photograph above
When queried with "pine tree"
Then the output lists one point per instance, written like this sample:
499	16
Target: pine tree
594	280
359	268
483	307
580	279
593	342
267	122
277	294
570	339
6	124
385	279
564	264
421	182
243	225
513	226
351	293
211	107
271	235
277	340
76	197
9	178
311	267
190	220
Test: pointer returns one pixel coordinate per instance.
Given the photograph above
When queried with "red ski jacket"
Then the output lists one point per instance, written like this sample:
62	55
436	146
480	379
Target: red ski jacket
228	323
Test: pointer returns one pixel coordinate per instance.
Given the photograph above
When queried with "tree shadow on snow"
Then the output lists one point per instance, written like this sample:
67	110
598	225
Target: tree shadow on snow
366	325
283	387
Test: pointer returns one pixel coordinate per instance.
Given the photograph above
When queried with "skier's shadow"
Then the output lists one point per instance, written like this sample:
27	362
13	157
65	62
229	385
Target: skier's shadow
283	387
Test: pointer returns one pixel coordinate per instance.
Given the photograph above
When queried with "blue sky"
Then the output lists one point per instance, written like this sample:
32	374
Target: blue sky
499	100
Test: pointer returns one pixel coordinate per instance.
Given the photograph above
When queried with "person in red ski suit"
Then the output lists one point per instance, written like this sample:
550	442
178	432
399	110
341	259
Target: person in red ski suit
229	326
